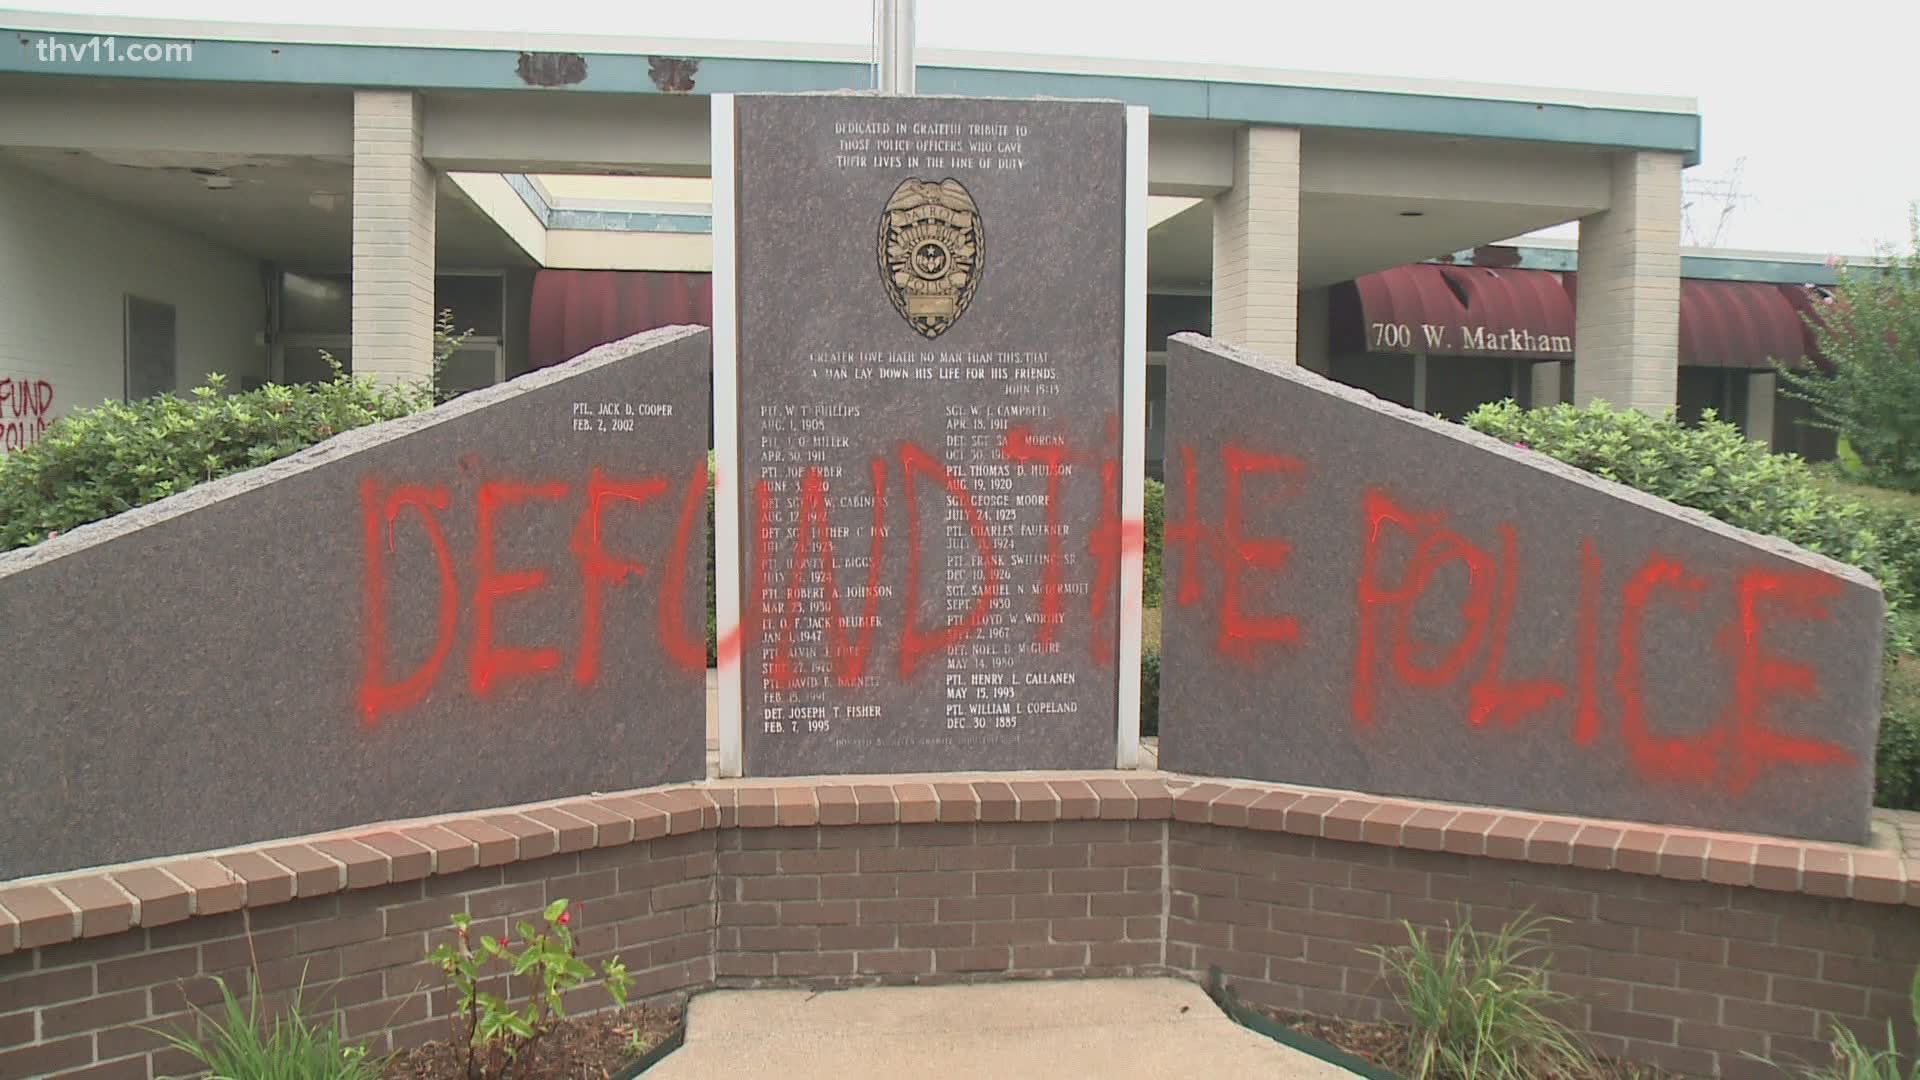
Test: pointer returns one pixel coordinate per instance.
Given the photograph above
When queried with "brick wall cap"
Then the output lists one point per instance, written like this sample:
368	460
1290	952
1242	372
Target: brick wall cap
57	908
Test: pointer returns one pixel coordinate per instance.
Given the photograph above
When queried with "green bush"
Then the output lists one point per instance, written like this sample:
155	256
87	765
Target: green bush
1153	522
1479	1005
94	463
1715	469
1150	691
238	1042
1870	335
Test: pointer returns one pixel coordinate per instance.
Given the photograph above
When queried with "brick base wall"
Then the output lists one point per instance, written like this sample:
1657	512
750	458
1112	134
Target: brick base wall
915	882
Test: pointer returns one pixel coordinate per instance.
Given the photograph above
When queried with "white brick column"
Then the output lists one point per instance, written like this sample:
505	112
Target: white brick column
1545	376
1627	328
1760	390
393	217
1256	244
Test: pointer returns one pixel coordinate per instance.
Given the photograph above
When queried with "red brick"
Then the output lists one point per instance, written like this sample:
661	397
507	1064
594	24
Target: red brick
1774	1019
44	917
958	803
988	882
1826	872
977	958
1117	801
45	987
896	962
1036	800
104	907
1593	847
837	805
1879	877
1729	862
365	866
532	839
1507	839
1467	832
609	829
996	801
831	861
687	810
1346	820
1552	843
757	808
1043	957
1777	959
215	888
1777	867
1683	858
1152	799
794	807
1426	830
648	821
1384	825
107	1010
46	1058
1077	800
1639	851
916	803
878	804
1190	804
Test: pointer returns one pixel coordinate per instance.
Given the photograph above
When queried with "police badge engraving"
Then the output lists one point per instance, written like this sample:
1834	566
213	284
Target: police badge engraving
932	244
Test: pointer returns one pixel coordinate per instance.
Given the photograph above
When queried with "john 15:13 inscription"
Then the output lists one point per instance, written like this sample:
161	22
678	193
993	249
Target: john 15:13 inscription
928	431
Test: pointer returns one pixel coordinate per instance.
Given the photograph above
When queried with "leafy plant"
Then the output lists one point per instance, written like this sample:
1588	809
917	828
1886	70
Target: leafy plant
239	1046
1153	523
1869	332
1479	1005
94	463
1854	1060
497	1034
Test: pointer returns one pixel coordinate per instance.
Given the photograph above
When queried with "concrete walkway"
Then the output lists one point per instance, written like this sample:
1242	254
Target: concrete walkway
1111	1029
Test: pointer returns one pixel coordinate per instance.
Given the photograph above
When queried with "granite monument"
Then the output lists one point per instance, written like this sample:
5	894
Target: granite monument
492	602
930	316
1359	596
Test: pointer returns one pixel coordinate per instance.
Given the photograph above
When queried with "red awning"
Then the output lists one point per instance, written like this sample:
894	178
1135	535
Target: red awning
576	310
1466	311
1738	324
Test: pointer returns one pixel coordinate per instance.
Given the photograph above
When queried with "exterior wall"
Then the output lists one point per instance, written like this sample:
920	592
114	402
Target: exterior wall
393	227
68	261
1256	244
1687	949
1627	322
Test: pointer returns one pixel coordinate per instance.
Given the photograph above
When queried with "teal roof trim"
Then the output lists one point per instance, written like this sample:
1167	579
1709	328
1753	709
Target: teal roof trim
433	68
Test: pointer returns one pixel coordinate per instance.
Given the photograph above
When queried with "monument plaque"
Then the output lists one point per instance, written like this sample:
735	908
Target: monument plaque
1360	596
493	602
932	316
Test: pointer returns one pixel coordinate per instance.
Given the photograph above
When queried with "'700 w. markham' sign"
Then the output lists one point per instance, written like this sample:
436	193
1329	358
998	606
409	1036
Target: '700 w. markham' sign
1438	338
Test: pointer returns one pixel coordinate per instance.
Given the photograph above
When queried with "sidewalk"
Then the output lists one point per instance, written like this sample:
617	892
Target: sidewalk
1111	1029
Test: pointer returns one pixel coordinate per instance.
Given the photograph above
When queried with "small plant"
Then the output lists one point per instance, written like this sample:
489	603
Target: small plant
1854	1060
1478	1006
497	1035
238	1046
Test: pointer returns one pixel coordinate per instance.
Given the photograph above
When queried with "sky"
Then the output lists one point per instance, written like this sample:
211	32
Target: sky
1806	106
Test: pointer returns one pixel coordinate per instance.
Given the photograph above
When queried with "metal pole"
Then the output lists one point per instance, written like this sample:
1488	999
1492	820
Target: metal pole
893	22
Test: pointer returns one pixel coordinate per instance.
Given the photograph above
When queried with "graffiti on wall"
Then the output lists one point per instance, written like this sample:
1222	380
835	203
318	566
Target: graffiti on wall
26	408
395	513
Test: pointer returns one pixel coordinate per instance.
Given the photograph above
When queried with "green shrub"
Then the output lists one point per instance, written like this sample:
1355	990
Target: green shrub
237	1043
1870	335
1896	767
94	463
1153	523
1150	691
1479	1006
1712	468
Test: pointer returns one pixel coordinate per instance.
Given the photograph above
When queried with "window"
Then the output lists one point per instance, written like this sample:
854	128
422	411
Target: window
150	348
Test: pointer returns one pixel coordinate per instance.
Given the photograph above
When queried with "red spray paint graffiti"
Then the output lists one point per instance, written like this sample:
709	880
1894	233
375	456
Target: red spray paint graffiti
491	664
1738	748
26	407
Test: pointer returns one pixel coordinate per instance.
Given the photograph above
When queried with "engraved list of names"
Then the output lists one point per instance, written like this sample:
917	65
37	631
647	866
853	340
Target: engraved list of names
929	373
